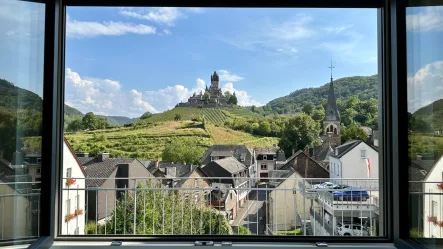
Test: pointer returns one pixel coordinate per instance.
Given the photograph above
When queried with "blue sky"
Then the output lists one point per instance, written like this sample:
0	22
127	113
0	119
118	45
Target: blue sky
125	61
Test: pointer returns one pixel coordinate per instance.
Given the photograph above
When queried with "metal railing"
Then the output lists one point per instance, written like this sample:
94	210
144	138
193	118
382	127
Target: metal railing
144	206
19	210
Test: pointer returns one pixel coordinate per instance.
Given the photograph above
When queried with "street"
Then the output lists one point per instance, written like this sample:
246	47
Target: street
256	212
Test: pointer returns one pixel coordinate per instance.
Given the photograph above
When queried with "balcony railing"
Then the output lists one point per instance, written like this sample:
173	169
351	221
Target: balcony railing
19	210
144	206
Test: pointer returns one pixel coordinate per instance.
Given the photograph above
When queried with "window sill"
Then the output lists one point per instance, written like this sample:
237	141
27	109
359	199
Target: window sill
97	245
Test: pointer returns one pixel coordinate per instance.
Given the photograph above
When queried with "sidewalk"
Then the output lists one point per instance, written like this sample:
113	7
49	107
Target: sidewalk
251	207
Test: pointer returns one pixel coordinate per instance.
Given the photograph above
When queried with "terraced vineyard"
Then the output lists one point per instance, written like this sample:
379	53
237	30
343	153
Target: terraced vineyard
215	116
147	142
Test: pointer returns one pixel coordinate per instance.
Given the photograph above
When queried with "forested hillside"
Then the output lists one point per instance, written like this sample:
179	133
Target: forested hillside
364	87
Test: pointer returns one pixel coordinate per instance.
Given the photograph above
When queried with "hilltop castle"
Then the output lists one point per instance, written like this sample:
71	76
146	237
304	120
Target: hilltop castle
215	96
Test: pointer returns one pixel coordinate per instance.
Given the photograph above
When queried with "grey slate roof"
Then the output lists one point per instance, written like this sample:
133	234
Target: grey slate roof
222	153
331	112
231	165
315	170
348	146
177	169
266	150
96	168
238	151
418	170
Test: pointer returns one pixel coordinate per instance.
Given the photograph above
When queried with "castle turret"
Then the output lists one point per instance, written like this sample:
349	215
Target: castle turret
214	80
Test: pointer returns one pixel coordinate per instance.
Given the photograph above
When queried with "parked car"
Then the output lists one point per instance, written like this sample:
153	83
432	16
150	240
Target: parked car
352	230
351	194
324	185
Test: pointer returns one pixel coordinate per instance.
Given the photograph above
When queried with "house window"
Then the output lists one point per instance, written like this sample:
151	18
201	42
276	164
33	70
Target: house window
434	208
363	154
68	173
230	196
213	158
39	160
265	157
68	206
38	171
27	159
264	167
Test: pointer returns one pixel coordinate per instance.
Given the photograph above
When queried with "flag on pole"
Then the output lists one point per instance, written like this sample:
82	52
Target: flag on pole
368	163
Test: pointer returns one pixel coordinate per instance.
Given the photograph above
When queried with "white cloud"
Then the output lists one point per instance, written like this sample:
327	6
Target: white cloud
228	76
167	98
161	15
103	96
338	29
430	19
293	50
426	86
193	9
242	96
167	31
80	29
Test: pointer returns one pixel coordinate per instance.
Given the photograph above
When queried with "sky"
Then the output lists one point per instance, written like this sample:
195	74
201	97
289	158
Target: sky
126	61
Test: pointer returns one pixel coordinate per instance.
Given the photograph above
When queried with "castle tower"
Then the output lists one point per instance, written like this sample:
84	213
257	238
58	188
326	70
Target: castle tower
331	123
214	80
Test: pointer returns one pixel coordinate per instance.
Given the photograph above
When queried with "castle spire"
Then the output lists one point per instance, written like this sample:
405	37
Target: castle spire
331	111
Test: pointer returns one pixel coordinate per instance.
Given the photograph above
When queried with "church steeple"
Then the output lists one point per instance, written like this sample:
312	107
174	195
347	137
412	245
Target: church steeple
331	112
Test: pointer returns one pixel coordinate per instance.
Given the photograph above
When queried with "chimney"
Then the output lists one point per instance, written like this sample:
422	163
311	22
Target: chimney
419	157
103	156
82	154
156	164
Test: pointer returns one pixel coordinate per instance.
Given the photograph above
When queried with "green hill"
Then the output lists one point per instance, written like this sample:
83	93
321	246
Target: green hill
147	141
216	116
365	87
432	114
118	120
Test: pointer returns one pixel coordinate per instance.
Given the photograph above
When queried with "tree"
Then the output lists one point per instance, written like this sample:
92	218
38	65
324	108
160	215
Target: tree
177	117
146	115
75	125
161	212
253	108
319	113
264	128
300	131
353	132
233	100
228	95
89	121
182	152
206	97
308	108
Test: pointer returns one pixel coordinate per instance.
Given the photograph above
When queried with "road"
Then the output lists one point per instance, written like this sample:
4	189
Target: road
256	211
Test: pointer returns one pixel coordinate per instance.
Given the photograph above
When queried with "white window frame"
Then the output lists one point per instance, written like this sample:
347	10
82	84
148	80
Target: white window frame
68	206
68	172
363	154
265	168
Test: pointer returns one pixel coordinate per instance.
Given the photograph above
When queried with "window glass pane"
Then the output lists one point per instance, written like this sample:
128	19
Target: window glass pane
21	86
425	94
236	98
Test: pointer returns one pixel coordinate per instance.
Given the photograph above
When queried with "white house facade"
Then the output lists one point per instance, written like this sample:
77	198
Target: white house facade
73	193
432	201
354	160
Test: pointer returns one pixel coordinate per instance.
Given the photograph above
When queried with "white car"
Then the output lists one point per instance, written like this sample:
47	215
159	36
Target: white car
352	230
325	185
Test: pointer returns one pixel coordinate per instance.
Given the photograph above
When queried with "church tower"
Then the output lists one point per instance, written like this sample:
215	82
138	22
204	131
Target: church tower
331	123
214	80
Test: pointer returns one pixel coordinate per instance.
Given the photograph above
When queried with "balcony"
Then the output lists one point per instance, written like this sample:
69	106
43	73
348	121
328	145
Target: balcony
20	209
143	206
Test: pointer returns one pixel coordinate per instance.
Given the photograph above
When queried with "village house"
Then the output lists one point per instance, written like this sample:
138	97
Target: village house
231	172
267	160
357	160
73	193
288	207
110	173
224	199
241	153
426	194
